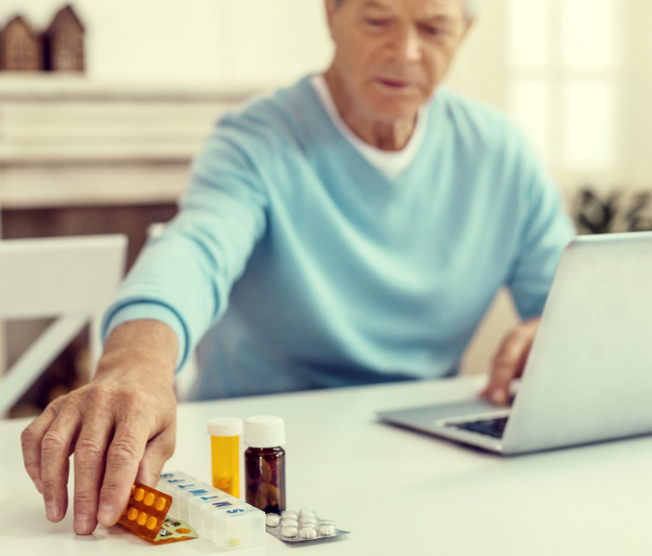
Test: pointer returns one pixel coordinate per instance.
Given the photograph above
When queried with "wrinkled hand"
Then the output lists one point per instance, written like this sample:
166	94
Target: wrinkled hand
510	361
120	427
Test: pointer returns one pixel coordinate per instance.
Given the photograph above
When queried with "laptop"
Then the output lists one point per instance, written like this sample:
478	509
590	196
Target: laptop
589	374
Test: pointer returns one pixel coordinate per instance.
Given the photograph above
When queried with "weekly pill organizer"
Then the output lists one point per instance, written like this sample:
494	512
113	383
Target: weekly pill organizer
226	520
182	508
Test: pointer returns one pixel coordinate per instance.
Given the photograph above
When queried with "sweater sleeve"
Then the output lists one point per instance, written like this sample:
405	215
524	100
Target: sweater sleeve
544	231
184	277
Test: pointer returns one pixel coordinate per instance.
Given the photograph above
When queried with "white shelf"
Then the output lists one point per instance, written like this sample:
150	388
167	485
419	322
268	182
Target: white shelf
67	140
26	87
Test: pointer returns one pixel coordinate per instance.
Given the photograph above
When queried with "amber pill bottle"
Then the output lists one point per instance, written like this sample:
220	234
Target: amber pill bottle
225	453
264	463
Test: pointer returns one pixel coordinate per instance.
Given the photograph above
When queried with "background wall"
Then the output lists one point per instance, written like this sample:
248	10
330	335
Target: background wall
194	40
253	41
274	42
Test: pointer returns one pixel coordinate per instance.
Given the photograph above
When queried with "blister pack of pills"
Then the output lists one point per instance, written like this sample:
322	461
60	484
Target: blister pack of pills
301	526
226	520
145	511
174	531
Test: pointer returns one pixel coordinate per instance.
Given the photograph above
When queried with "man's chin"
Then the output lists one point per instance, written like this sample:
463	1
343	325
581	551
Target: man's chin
397	104
392	109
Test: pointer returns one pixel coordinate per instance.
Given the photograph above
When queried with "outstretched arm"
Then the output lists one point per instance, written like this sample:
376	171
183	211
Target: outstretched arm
120	427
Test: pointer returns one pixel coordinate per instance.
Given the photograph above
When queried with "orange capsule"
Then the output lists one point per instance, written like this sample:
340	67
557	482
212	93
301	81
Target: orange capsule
132	514
142	518
160	504
149	499
140	494
152	522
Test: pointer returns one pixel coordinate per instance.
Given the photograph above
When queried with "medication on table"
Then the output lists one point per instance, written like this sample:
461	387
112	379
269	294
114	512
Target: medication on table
307	517
145	511
265	463
289	531
173	531
309	528
308	532
228	521
225	453
326	529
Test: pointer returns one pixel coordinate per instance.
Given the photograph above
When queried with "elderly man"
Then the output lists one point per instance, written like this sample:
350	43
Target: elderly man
351	229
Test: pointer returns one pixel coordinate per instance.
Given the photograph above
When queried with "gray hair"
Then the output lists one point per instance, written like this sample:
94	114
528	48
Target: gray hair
470	7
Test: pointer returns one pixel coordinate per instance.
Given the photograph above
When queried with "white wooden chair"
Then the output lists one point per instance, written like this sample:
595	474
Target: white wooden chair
72	279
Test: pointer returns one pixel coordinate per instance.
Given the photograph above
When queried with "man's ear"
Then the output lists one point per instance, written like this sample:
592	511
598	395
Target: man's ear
470	23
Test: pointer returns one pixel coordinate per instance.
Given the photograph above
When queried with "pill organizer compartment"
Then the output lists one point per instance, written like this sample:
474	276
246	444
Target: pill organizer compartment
201	508
169	483
226	520
237	527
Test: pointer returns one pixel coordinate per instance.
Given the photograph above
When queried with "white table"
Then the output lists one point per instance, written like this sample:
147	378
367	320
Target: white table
401	493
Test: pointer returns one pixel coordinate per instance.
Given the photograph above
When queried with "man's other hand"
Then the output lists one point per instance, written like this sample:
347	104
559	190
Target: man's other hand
120	427
510	361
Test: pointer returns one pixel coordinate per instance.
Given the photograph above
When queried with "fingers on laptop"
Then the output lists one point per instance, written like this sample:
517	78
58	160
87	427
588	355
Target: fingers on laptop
510	361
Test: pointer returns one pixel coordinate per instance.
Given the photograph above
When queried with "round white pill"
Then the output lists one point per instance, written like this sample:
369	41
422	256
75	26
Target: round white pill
308	520
289	513
308	532
289	522
306	511
326	529
289	531
272	520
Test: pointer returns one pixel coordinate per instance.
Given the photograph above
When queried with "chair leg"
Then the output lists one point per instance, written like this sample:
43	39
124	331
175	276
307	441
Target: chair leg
3	348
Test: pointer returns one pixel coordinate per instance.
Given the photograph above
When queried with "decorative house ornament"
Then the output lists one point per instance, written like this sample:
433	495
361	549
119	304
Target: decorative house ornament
64	42
20	47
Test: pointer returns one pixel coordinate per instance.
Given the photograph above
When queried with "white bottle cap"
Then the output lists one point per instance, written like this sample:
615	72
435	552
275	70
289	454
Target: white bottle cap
264	431
225	426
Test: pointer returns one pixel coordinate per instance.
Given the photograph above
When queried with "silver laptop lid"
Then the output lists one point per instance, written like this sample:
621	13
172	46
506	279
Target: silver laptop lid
589	374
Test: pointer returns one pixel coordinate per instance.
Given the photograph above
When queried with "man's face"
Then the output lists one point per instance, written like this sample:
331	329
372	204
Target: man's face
391	54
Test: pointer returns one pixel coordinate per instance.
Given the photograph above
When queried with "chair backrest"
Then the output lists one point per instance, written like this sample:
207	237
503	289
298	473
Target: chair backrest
72	278
53	276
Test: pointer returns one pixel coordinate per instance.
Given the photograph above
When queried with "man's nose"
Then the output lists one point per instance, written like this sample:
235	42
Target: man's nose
408	47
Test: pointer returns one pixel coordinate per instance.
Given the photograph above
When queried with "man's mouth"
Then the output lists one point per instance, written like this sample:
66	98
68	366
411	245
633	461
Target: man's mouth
392	83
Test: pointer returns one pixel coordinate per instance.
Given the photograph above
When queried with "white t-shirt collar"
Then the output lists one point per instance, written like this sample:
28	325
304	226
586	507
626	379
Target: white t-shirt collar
391	163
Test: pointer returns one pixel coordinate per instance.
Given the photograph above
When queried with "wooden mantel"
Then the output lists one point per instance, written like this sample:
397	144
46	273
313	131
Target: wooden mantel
71	141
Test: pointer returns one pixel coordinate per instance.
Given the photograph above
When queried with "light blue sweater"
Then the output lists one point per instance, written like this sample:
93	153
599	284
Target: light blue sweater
310	268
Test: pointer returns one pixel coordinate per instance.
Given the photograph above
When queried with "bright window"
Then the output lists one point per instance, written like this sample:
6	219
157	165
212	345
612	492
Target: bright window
563	69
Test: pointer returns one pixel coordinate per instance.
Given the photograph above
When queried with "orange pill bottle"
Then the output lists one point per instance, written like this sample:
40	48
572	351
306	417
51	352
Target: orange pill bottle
225	453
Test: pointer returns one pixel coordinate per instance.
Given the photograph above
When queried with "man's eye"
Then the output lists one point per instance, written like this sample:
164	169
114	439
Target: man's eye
377	23
433	31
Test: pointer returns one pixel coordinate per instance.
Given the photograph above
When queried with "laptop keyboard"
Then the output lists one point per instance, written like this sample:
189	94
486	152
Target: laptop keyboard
490	427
